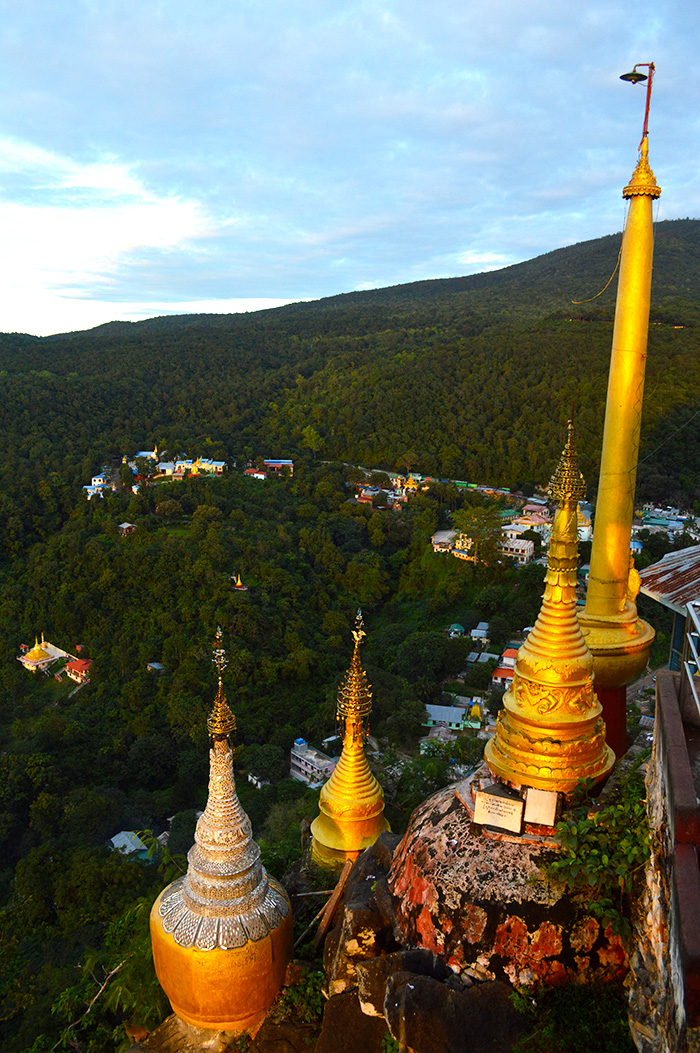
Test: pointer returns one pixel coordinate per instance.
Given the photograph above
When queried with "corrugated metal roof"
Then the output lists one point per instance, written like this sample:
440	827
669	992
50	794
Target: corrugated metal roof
675	580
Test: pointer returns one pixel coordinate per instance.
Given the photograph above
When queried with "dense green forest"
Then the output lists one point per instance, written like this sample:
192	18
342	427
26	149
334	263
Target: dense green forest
462	378
467	378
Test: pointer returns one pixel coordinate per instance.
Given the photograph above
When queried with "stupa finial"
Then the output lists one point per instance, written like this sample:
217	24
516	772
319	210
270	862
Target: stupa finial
355	692
567	484
221	722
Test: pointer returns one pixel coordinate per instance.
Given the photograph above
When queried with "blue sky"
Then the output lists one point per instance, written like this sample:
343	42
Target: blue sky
168	156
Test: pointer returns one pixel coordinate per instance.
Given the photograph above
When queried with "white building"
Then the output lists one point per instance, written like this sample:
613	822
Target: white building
309	765
519	549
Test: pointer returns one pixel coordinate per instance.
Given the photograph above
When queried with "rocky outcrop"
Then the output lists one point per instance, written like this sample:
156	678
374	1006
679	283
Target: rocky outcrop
432	1017
346	1029
367	925
482	901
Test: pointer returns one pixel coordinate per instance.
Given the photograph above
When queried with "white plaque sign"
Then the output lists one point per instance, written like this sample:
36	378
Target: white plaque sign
541	806
494	809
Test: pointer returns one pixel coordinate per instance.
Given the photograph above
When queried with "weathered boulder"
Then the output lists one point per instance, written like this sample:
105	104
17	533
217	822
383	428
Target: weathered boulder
484	903
285	1037
431	1017
346	1029
363	930
372	975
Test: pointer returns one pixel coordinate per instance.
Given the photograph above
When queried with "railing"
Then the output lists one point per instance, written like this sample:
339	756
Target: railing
690	667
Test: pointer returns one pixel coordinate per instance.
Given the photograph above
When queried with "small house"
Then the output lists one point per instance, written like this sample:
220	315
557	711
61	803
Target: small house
79	670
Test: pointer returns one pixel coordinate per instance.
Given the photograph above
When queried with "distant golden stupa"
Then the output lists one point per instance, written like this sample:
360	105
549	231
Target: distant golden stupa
550	734
38	657
351	806
222	935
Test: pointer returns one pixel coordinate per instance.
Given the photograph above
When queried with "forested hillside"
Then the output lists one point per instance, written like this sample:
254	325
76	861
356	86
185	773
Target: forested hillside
468	378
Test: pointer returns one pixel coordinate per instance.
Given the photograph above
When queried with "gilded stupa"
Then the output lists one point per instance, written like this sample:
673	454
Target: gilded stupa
550	734
222	935
38	657
351	816
618	638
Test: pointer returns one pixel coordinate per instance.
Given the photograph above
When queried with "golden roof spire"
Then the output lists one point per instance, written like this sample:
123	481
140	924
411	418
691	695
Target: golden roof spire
549	733
351	805
225	905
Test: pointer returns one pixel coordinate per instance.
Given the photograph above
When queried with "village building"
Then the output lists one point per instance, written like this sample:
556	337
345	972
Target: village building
129	844
502	676
519	549
126	528
452	717
255	473
309	765
443	540
481	633
207	466
79	670
279	466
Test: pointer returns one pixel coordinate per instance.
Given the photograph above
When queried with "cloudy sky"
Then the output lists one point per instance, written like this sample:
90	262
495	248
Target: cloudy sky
169	156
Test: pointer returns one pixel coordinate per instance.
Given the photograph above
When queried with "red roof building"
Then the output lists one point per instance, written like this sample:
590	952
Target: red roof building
79	670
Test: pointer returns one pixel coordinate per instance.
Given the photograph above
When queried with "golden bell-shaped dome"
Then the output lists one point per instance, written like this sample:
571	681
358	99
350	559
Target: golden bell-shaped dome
351	816
550	734
222	935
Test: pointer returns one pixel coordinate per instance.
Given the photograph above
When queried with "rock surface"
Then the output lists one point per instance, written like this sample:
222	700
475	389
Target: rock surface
363	930
486	906
429	1017
346	1029
372	975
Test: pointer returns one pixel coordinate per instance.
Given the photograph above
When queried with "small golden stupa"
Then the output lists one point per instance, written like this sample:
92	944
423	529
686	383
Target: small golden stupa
222	935
550	734
351	814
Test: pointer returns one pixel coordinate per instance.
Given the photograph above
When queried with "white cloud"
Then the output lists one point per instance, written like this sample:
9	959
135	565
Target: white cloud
67	242
56	313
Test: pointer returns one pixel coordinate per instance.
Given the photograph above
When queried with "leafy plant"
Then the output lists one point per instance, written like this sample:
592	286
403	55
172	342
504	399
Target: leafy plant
603	851
575	1019
305	1000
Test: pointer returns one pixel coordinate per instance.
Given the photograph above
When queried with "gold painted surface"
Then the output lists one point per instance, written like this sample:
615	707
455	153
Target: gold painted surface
549	734
221	935
618	638
351	804
221	989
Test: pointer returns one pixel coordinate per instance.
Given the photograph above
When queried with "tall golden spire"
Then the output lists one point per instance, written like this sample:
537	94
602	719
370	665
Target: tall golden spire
619	640
549	733
352	802
222	934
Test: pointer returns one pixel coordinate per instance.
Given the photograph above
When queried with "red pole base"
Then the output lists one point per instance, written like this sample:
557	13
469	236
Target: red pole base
614	703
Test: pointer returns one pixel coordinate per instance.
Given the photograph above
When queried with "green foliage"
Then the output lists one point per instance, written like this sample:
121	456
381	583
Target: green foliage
304	1001
482	525
576	1018
604	850
390	1045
